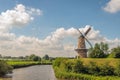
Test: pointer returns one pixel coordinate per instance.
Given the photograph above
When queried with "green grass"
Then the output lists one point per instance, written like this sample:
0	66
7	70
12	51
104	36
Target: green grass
75	76
99	61
25	63
64	75
19	63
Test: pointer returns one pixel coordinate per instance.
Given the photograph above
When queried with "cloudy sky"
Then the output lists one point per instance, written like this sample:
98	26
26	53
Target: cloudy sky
49	26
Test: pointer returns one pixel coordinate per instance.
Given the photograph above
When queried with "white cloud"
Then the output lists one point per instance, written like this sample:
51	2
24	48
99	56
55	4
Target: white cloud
20	7
59	43
18	16
35	11
7	36
26	40
112	6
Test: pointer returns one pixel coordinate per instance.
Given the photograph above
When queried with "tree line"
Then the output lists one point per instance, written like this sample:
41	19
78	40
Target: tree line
101	50
31	57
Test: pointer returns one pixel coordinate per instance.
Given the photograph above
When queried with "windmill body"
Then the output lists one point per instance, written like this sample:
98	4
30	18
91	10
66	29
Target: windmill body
81	48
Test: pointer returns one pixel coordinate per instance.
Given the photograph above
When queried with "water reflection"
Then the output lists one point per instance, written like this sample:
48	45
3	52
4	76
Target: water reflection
39	72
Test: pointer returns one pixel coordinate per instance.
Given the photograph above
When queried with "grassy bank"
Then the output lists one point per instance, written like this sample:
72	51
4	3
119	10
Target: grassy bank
18	64
100	61
87	69
22	63
61	75
4	68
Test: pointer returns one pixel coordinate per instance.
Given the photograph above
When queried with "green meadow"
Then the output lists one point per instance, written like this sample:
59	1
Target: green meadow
87	69
19	63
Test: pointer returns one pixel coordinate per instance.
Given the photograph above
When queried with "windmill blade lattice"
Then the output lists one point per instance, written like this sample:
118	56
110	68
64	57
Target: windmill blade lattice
85	36
80	32
81	50
88	42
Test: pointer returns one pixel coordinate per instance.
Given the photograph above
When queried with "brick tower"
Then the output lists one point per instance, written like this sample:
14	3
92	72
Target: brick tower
81	48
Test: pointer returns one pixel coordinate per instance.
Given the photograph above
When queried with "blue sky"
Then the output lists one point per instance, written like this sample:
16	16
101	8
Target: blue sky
57	14
64	13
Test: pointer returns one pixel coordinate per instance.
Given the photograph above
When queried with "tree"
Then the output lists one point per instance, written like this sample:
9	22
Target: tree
33	57
115	53
27	57
36	58
20	57
104	47
98	51
46	57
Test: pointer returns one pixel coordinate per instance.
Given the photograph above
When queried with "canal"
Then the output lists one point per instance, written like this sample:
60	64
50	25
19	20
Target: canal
38	72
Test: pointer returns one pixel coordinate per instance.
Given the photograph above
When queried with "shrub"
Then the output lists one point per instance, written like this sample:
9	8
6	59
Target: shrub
58	61
116	52
93	68
68	65
106	70
79	67
75	76
4	68
117	69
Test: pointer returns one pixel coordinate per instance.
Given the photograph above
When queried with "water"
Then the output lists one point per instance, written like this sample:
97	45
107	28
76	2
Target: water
38	72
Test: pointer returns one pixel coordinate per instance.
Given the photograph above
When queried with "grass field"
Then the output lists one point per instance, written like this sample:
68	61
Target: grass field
64	75
24	63
101	61
19	63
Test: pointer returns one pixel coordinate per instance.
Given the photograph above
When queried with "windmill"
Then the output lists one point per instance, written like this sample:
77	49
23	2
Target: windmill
81	49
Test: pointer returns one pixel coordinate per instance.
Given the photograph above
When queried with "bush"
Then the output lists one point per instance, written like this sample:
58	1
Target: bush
68	65
116	52
75	76
4	68
93	68
103	70
106	70
117	69
79	67
57	62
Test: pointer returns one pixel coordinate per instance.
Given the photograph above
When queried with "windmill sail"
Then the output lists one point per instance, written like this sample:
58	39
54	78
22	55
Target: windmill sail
87	31
81	50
